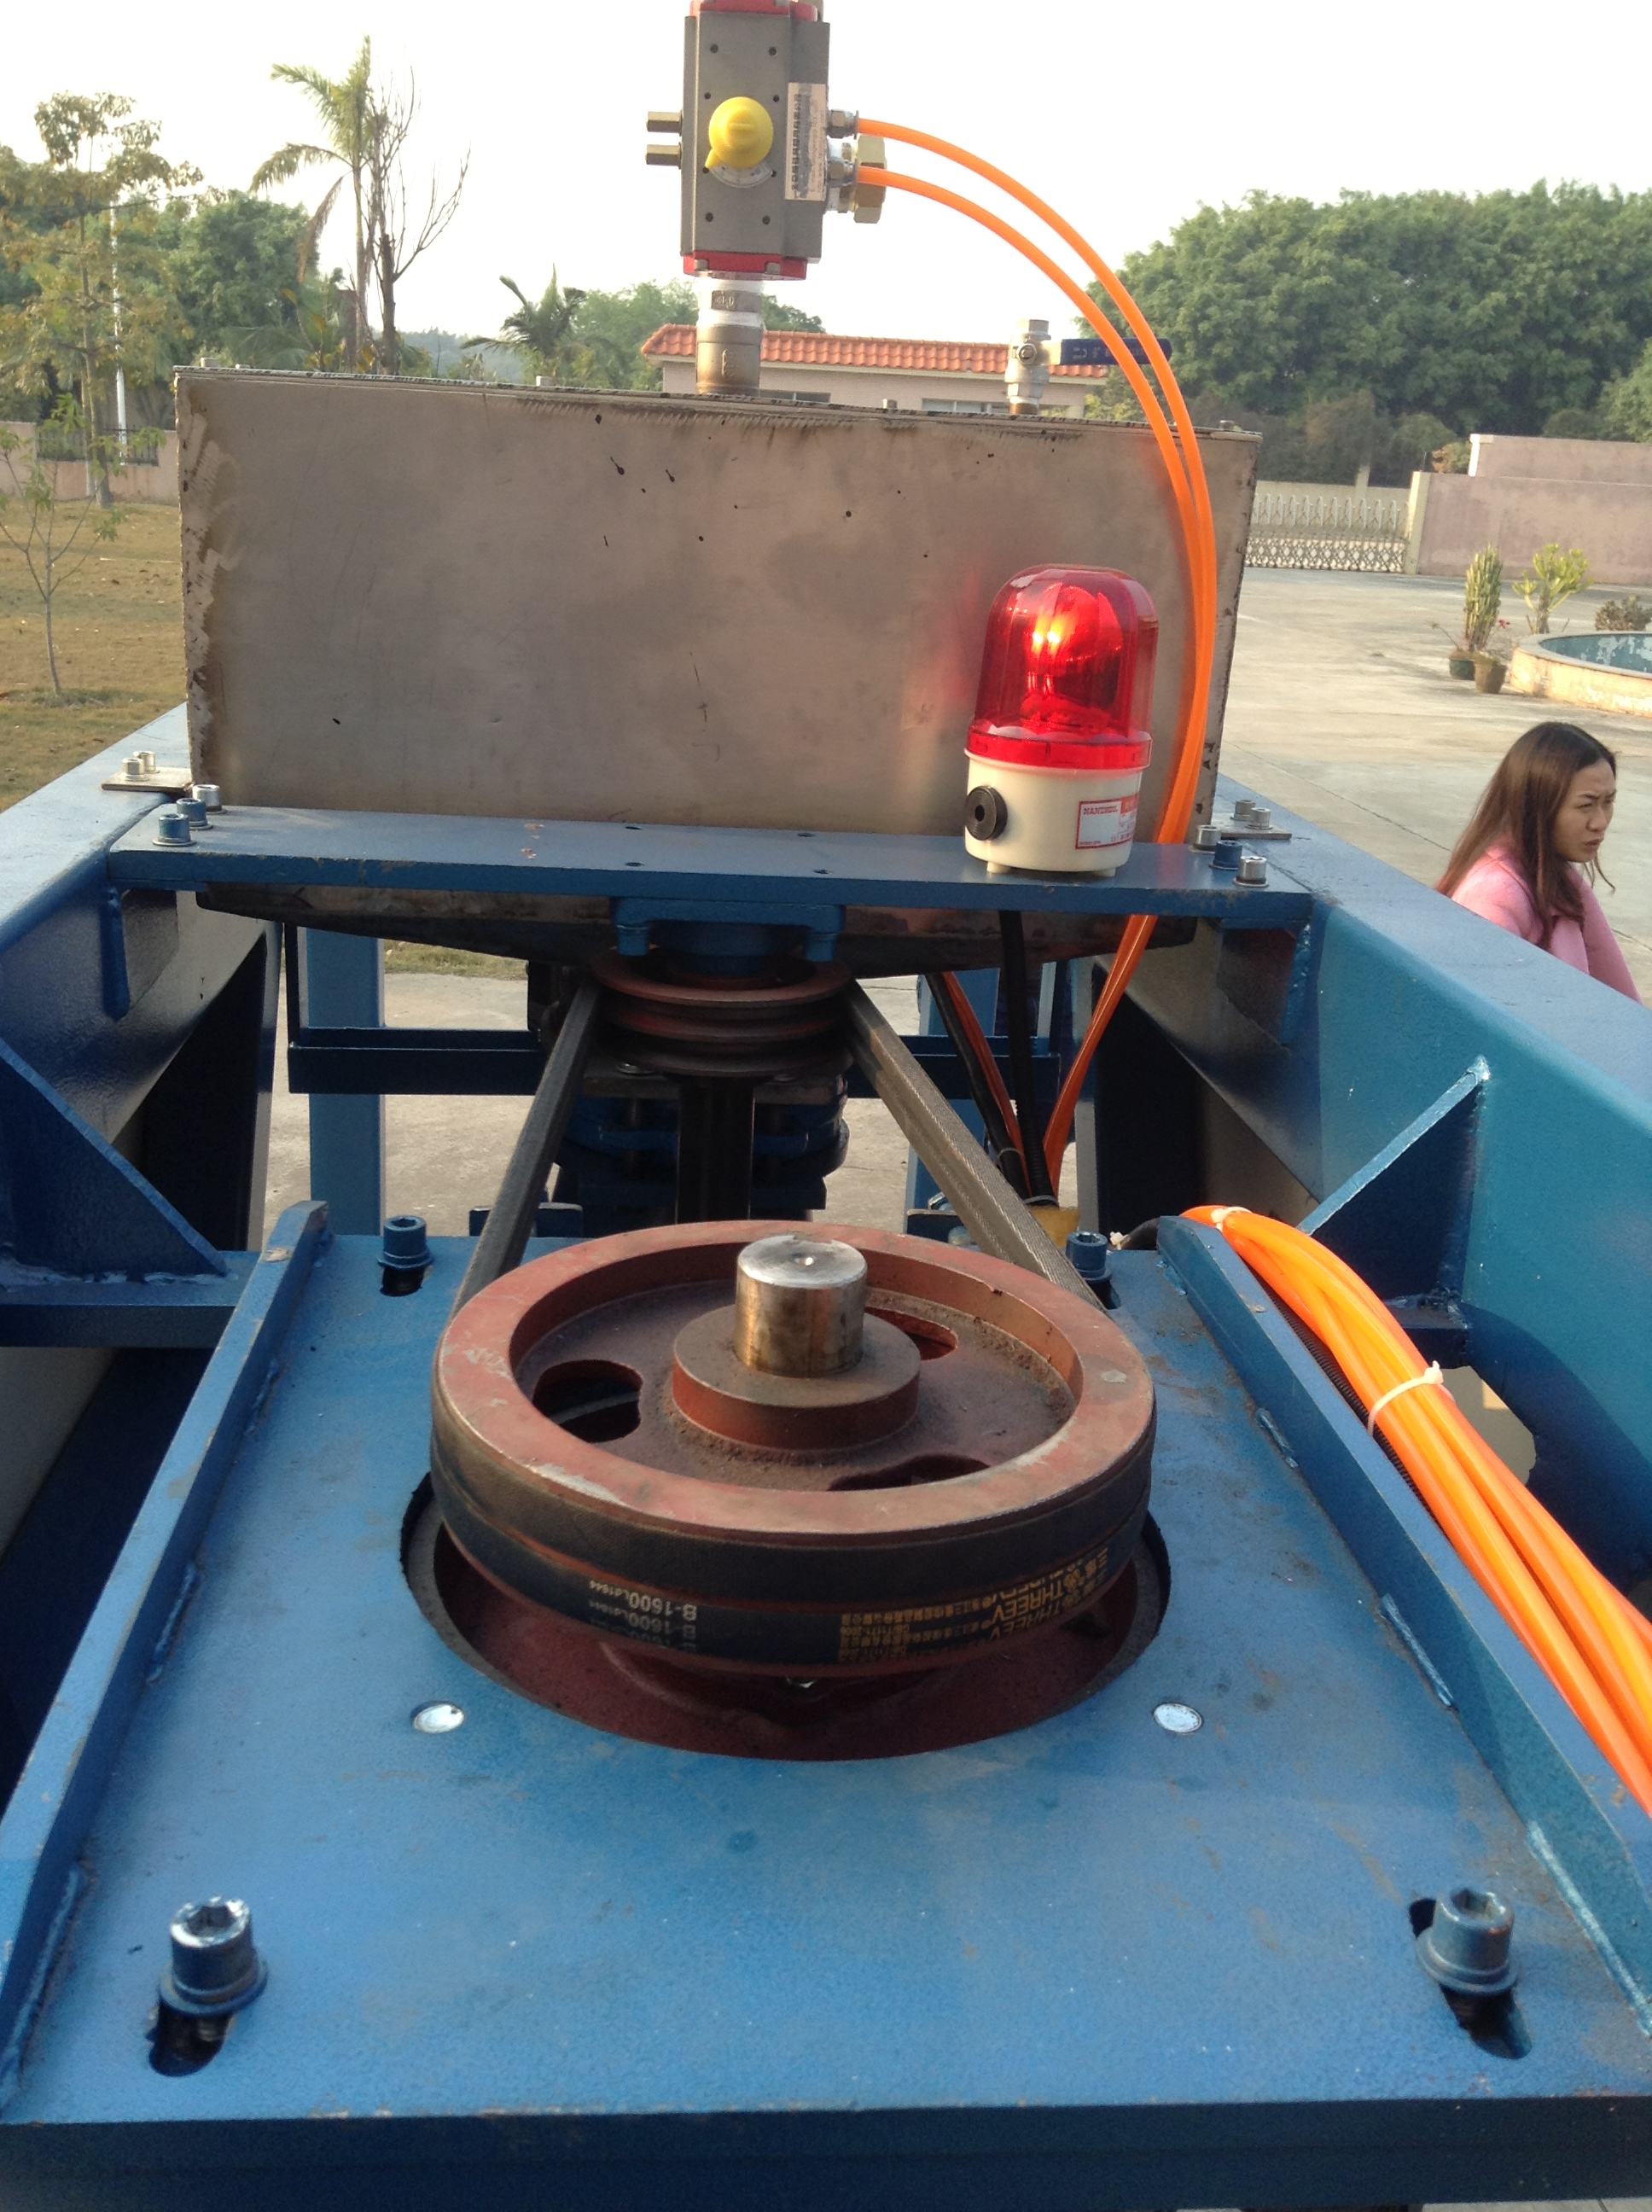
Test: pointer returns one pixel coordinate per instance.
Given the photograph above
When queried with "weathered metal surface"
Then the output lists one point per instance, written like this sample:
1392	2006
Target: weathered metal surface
1107	1965
747	1532
619	606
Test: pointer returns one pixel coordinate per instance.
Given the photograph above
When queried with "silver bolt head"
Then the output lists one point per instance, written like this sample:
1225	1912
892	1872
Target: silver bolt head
132	766
1259	818
146	763
1208	838
209	796
171	827
1253	869
1245	809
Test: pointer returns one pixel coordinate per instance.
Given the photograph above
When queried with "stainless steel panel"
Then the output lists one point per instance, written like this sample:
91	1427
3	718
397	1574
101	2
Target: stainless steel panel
449	598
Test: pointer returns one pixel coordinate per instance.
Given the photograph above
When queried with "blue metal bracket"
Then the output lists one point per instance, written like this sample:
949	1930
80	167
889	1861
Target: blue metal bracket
1401	1221
44	1828
137	933
1542	1759
71	1203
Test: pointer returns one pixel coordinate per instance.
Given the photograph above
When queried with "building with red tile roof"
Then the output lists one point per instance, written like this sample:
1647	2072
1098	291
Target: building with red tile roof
928	376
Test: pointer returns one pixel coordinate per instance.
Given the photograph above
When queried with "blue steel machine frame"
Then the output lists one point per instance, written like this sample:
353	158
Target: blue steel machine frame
1091	1964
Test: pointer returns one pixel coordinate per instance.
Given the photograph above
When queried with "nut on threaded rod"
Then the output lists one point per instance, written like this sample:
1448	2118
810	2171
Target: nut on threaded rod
800	1305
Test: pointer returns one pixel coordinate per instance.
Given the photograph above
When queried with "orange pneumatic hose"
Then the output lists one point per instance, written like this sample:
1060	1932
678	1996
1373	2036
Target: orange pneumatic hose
1185	471
1594	1646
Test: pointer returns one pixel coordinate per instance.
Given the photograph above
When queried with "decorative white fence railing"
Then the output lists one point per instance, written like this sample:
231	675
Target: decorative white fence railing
1363	530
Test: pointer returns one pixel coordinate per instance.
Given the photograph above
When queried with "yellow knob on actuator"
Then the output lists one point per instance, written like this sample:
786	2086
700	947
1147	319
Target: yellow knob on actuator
741	135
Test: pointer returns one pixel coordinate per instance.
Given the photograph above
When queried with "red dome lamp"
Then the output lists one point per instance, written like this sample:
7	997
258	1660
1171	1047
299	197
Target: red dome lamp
1060	735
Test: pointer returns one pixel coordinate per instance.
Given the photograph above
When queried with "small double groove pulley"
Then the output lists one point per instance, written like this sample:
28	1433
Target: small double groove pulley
788	1451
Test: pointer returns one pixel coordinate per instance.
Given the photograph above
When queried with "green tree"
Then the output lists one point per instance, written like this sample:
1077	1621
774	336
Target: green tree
51	526
1491	311
543	332
233	258
1626	403
92	297
344	106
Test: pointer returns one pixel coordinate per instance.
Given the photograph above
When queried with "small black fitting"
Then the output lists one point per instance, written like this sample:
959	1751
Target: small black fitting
984	814
1468	1945
215	1968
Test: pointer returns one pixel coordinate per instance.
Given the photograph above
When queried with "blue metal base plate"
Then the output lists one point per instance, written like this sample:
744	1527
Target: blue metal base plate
1094	1964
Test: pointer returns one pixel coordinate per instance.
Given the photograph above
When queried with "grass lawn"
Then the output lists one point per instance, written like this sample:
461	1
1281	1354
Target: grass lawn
120	651
119	629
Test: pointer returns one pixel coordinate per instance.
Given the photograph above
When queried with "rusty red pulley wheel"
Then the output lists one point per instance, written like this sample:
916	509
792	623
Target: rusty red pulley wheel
742	1464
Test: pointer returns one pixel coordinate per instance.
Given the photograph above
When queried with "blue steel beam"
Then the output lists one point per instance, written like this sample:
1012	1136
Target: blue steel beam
344	987
775	871
45	1827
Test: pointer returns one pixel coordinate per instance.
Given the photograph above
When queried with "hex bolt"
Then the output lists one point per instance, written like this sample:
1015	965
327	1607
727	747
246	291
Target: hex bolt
1252	869
1228	854
171	827
1091	1254
208	795
406	1246
1468	1945
146	763
1259	818
215	1968
1208	839
132	766
800	1305
1245	809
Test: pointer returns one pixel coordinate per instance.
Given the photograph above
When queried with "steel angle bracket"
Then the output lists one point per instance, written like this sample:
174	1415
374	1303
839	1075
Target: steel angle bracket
71	1203
1401	1221
1581	1820
45	1825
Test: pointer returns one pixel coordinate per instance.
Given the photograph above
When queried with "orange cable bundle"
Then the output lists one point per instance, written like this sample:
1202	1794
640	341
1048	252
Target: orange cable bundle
1185	469
1593	1645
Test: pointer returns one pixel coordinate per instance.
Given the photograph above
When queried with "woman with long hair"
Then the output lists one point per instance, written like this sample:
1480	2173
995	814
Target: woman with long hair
1529	860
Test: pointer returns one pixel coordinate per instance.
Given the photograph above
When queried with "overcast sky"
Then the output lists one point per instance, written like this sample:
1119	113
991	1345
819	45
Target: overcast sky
1127	116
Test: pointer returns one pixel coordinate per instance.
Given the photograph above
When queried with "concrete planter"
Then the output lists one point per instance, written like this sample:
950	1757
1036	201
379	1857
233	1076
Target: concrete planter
1489	671
1460	666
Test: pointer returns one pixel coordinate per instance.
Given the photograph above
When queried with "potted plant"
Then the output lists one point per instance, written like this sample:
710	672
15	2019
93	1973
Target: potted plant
1492	661
1482	597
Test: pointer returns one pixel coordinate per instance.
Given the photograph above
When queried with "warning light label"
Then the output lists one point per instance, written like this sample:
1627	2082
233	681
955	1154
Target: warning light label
1103	822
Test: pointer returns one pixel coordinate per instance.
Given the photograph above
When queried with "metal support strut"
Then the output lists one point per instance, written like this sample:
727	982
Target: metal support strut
504	1234
977	1192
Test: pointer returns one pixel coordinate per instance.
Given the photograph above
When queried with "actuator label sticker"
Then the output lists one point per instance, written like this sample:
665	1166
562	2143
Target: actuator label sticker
806	141
1103	822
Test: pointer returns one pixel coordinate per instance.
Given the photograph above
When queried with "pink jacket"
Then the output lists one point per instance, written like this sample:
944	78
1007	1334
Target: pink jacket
1495	888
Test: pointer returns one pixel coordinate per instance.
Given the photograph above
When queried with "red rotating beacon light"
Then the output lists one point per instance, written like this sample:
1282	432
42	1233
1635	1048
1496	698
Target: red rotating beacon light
1060	735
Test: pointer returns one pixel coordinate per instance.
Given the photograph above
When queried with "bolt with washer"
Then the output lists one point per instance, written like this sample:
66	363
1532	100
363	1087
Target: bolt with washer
207	795
1252	869
171	827
215	1968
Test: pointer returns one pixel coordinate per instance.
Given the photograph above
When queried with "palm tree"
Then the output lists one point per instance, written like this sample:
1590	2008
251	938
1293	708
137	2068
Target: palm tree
544	331
345	107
